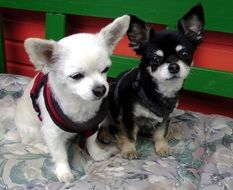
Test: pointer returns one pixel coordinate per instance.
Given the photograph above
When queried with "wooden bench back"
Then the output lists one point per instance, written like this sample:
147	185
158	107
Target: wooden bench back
219	18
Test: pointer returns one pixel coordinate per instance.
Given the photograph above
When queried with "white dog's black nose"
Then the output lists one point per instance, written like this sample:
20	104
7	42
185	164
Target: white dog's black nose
99	90
174	68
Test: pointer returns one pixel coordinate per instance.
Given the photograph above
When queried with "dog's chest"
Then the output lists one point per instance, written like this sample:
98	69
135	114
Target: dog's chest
169	88
81	112
146	120
140	111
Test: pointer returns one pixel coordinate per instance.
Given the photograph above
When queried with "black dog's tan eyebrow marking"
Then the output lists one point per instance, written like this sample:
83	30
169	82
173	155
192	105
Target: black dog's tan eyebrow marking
159	52
179	47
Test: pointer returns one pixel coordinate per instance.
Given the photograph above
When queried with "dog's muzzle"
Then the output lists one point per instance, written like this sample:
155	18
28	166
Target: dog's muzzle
173	68
99	90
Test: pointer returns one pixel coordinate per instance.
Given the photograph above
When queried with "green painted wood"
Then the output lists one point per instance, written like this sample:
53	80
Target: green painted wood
121	64
55	26
2	49
210	81
200	79
219	15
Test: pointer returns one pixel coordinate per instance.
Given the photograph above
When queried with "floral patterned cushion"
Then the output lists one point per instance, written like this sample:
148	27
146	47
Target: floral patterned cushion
202	159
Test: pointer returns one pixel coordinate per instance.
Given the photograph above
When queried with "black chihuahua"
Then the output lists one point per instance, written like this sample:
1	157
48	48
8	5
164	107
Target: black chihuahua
143	99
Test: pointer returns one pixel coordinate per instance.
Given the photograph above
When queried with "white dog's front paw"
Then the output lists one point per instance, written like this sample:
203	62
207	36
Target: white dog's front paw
95	151
100	155
43	149
64	173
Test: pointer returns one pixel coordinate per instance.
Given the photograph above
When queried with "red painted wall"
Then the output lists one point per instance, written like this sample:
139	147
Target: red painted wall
215	52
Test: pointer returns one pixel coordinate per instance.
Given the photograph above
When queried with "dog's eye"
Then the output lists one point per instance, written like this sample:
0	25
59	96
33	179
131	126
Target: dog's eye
156	59
77	76
105	70
184	54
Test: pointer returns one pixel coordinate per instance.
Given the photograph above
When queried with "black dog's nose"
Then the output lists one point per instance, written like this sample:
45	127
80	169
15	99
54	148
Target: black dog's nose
99	90
174	68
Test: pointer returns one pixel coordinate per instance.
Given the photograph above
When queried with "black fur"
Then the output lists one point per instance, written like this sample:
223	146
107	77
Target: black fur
138	86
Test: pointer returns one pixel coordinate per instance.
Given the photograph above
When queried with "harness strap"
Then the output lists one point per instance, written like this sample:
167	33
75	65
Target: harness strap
116	91
57	115
161	106
34	93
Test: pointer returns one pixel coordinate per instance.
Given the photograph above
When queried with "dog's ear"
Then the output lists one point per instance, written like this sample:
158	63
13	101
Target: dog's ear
42	53
139	34
192	24
113	32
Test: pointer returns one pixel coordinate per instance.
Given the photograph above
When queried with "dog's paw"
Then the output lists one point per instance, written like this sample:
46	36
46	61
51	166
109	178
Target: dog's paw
64	173
66	177
101	155
95	150
37	149
162	148
130	154
42	148
128	150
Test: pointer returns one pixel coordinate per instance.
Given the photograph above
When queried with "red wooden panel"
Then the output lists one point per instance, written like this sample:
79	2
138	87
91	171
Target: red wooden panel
16	30
20	69
15	52
19	25
206	104
79	24
218	37
214	56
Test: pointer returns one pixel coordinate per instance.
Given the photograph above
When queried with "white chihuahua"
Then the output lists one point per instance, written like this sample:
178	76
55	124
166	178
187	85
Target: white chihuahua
70	97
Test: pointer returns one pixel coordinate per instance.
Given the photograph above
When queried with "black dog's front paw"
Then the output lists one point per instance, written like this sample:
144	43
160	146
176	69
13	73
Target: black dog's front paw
162	148
130	154
128	151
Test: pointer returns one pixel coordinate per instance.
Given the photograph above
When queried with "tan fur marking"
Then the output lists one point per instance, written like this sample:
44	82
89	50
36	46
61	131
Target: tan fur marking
161	143
127	147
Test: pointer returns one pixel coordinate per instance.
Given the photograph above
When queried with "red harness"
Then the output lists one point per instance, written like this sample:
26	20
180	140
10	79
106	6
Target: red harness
86	128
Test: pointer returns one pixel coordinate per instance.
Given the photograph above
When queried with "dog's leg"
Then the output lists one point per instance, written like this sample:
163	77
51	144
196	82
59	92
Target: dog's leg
161	143
127	145
29	134
104	135
96	152
56	141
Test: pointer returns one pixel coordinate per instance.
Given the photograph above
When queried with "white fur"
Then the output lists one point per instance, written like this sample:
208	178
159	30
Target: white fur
82	53
159	52
8	110
179	47
170	88
162	75
141	111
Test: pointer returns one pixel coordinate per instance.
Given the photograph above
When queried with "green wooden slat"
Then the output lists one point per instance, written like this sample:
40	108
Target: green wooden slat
219	15
210	81
2	49
55	26
200	79
121	64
